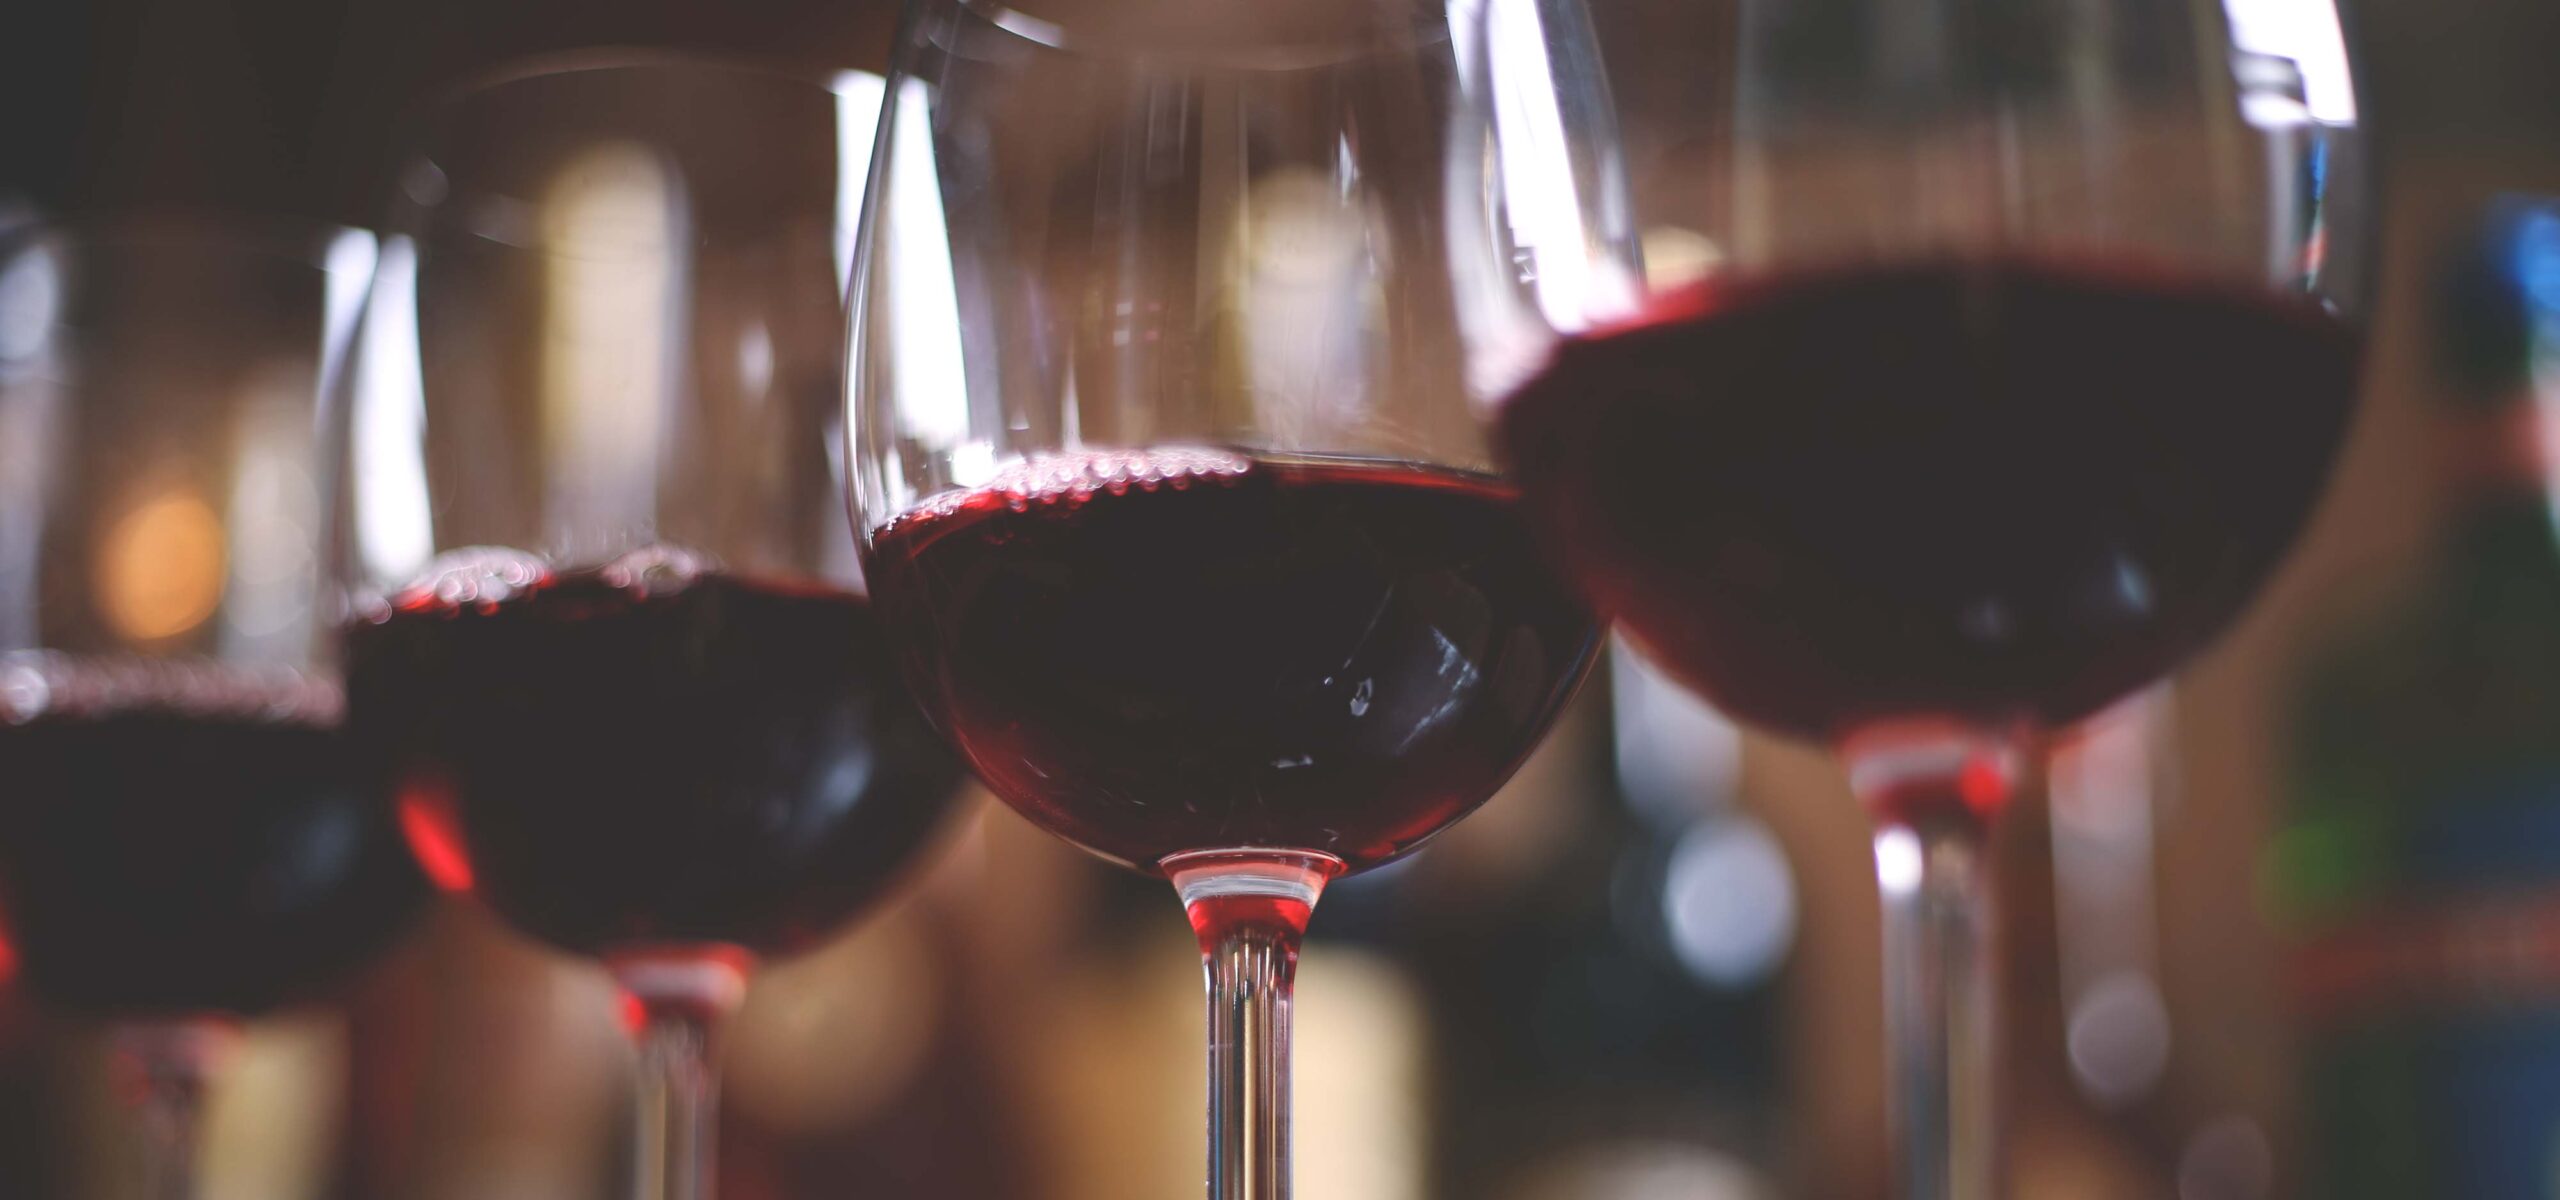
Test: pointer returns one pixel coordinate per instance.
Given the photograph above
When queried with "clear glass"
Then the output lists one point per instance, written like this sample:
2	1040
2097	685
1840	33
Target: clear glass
184	841
2185	157
602	606
1178	288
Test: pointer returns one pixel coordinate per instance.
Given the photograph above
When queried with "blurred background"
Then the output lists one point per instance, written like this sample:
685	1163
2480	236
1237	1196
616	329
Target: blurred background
2290	928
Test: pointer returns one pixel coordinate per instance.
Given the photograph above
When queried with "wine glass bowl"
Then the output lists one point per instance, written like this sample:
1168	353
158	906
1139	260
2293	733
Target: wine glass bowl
2004	491
1168	470
2022	351
187	830
1157	653
628	768
603	608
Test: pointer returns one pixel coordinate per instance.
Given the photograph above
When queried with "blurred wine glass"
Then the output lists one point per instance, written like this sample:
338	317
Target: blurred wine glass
186	838
603	613
2018	343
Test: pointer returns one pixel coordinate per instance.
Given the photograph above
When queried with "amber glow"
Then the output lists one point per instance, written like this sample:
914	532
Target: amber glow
160	567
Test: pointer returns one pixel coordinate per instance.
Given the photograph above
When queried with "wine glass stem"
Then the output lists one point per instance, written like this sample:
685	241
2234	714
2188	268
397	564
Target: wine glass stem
1935	791
679	1106
165	1069
1250	910
1941	1024
1250	975
680	1003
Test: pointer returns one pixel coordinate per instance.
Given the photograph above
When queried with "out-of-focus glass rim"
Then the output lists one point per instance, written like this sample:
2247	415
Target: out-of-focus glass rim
638	60
312	243
1261	56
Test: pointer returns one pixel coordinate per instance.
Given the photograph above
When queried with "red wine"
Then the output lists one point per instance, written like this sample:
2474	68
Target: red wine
634	756
188	839
1155	652
1996	490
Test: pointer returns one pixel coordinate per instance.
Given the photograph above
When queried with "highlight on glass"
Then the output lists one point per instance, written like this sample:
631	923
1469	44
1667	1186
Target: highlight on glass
603	619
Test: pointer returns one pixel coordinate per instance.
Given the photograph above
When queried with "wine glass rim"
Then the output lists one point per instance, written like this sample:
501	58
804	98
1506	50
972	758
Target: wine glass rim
598	60
419	183
308	241
1267	56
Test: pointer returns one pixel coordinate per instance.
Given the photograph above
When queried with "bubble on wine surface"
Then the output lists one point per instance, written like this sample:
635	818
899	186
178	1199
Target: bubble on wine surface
657	569
476	575
1075	475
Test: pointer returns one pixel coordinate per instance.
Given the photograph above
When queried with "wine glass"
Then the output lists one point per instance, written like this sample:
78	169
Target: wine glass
604	612
2014	347
186	838
1172	493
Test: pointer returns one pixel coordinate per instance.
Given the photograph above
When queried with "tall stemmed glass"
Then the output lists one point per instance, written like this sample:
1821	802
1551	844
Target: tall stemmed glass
1173	494
186	839
2022	346
604	613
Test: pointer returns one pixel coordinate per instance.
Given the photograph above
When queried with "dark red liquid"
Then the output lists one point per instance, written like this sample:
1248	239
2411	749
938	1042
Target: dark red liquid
1340	658
157	862
615	768
1998	490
